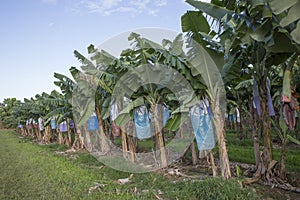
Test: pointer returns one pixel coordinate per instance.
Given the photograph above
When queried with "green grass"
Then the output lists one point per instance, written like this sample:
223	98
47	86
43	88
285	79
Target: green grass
242	151
31	171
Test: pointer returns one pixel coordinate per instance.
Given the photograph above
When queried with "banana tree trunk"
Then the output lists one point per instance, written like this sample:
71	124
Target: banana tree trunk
124	144
265	160
157	112
69	133
252	120
37	132
132	148
194	153
103	140
265	125
23	131
87	137
78	142
241	123
60	138
220	131
47	133
192	146
76	138
213	165
132	145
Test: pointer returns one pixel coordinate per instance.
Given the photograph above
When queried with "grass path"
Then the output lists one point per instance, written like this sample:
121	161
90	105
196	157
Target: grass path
31	171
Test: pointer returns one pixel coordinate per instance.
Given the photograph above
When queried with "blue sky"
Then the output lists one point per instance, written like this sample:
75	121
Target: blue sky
38	37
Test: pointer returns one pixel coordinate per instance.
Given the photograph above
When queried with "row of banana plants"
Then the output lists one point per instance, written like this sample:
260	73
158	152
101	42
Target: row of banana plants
233	46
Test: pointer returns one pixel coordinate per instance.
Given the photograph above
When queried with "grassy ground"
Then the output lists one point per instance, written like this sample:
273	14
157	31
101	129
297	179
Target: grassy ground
242	151
31	171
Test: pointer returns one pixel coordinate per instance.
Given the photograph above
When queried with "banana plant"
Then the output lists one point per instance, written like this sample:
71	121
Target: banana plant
100	76
148	63
60	104
208	57
9	115
284	133
253	28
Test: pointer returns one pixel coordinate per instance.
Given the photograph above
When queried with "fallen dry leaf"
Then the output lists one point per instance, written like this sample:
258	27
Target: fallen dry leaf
125	180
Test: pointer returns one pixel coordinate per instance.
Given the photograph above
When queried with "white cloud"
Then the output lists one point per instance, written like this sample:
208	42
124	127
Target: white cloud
160	3
153	12
51	24
108	7
51	2
100	6
119	9
110	3
140	4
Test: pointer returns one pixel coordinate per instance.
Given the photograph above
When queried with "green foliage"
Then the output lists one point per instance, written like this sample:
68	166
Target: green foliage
280	6
295	33
206	66
65	84
288	14
194	21
176	121
213	10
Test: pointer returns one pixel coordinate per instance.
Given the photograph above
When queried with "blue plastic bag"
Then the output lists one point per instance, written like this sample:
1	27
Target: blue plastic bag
53	123
142	122
63	127
202	126
92	123
166	114
72	125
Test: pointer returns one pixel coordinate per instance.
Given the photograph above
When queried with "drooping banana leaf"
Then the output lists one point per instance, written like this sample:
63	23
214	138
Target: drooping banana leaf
211	9
292	139
175	121
278	6
286	90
